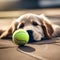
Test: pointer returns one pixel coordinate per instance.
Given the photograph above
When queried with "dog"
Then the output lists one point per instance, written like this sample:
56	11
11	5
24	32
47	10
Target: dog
38	27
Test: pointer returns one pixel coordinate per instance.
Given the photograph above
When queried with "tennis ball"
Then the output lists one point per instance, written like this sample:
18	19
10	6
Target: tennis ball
20	37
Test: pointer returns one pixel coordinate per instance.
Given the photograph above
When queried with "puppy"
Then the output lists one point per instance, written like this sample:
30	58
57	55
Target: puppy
38	27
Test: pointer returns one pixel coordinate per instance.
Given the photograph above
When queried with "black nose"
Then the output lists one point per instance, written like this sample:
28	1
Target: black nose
31	39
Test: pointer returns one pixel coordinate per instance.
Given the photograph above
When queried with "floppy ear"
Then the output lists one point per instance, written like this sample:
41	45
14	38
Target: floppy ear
1	31
47	26
9	30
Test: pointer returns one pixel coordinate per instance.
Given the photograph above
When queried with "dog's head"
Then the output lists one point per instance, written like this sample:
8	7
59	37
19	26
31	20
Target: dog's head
36	25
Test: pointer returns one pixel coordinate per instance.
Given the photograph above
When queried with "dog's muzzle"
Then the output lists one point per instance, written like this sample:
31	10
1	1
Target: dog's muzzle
31	36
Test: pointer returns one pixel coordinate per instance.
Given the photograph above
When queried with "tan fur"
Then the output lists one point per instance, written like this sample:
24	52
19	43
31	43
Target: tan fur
27	20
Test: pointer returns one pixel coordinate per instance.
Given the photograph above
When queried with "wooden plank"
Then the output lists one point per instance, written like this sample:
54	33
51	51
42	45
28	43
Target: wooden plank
48	12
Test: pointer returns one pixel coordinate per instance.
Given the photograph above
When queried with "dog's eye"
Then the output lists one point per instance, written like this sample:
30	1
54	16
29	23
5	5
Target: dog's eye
22	25
35	23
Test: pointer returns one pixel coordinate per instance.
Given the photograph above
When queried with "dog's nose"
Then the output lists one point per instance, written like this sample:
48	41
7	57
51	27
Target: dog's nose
30	32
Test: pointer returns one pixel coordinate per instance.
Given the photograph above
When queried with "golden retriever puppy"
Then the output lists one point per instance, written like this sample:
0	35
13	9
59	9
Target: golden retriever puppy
38	27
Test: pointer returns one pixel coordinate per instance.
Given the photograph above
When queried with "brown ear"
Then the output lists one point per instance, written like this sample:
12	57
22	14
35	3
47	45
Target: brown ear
13	26
10	29
47	26
1	31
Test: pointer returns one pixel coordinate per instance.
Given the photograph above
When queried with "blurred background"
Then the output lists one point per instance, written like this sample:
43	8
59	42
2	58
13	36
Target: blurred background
28	4
11	9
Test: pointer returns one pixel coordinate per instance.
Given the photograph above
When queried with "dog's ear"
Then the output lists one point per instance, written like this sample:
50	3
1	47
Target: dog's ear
47	26
10	29
13	26
1	31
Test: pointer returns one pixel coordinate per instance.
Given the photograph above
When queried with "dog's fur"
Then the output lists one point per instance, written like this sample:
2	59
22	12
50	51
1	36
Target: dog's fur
38	25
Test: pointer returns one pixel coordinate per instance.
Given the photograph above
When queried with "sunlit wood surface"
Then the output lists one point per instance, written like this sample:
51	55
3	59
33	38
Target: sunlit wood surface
48	12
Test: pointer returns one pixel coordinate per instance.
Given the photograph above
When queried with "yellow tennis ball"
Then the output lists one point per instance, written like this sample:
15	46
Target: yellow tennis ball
20	37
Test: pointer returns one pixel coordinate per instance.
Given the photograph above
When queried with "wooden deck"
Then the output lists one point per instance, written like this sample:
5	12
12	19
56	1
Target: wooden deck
48	12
